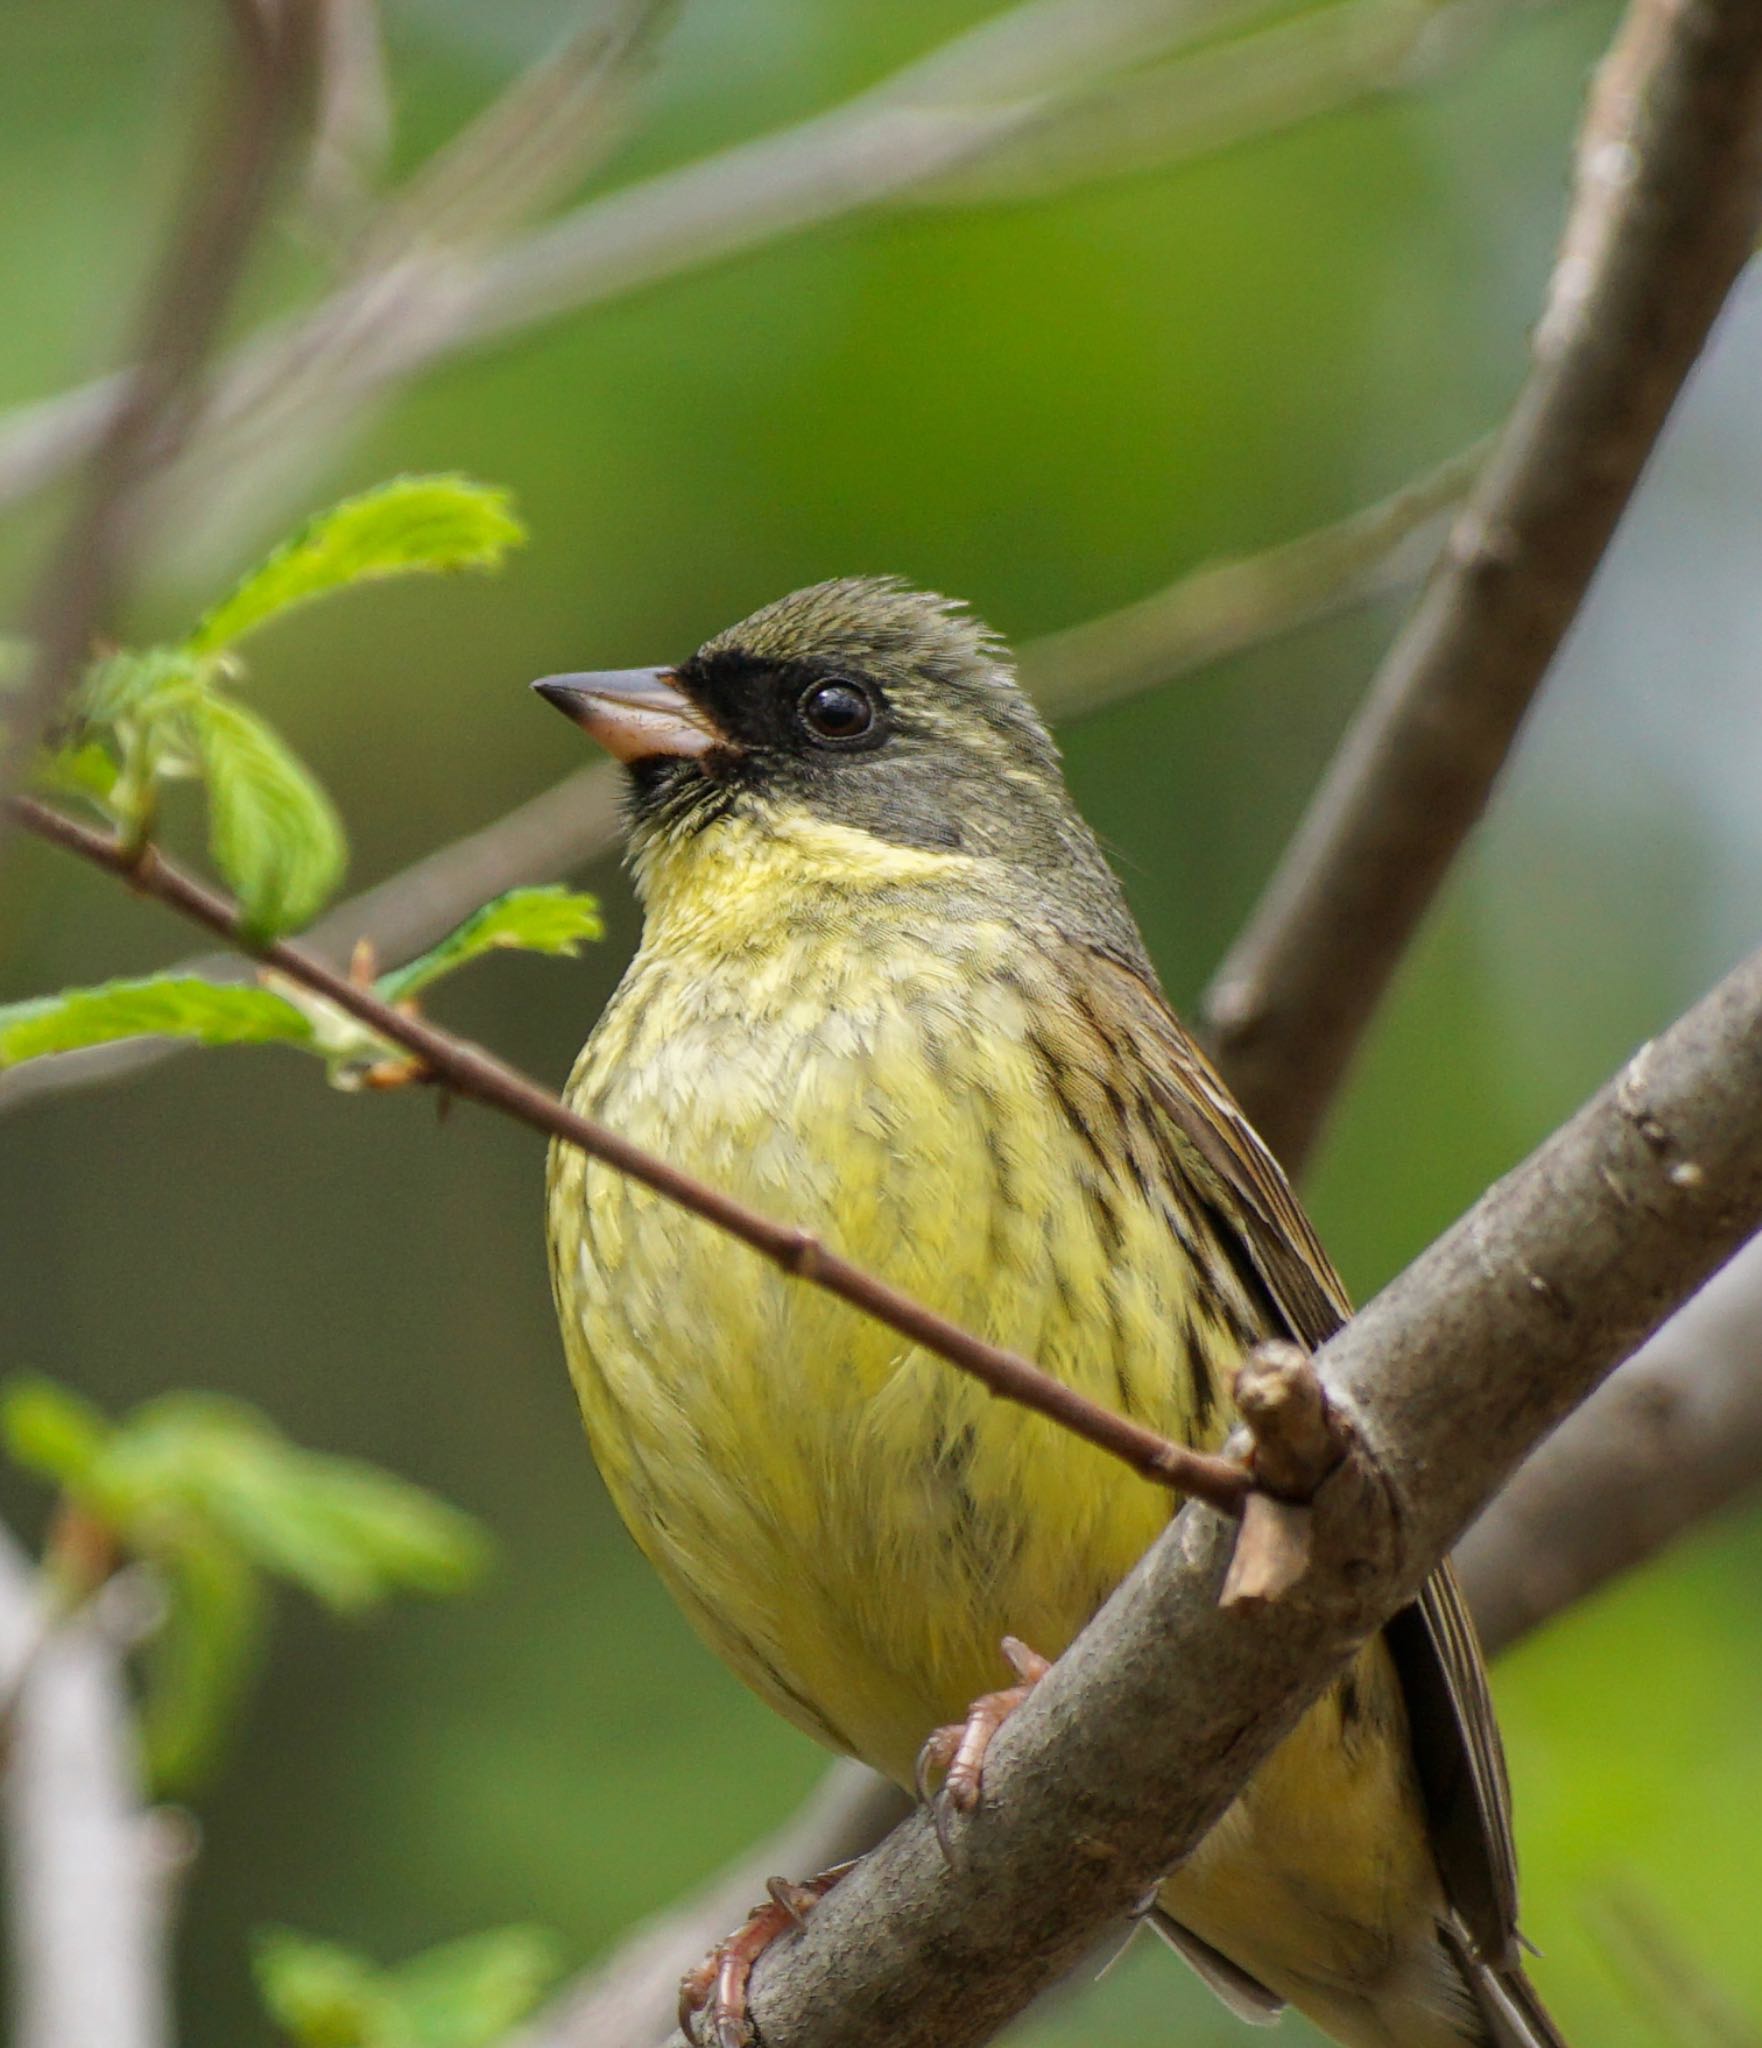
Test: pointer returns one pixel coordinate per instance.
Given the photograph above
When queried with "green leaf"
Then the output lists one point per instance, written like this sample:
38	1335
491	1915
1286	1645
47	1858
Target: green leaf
168	1006
323	1995
464	1994
344	1531
208	1490
201	1660
273	832
547	920
412	525
51	1430
410	1540
471	1992
127	683
87	769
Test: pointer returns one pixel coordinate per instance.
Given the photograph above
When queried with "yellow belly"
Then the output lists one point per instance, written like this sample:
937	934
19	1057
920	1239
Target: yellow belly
850	1522
854	1525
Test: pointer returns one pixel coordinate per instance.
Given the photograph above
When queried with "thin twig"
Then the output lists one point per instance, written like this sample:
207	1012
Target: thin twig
1223	608
351	116
1213	611
469	1070
1234	91
1667	209
230	183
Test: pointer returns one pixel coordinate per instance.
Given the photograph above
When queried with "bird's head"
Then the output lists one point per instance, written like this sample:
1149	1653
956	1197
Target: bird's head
888	714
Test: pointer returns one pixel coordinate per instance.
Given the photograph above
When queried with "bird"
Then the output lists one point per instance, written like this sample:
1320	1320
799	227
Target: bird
889	988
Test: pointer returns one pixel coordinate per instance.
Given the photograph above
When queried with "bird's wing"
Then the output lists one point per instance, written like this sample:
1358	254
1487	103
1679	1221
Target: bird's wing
1457	1750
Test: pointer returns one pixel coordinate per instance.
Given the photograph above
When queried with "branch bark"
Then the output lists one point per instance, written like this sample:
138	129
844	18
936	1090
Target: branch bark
1667	209
1150	1724
1672	1439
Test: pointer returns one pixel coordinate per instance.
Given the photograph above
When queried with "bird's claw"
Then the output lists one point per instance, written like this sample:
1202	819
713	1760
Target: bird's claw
716	1991
957	1752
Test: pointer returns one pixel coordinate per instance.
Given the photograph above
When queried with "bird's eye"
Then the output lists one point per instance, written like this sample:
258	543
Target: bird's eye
837	711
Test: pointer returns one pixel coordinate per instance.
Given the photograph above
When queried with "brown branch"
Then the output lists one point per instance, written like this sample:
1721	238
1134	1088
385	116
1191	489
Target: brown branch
1667	209
1150	1724
229	185
467	1069
1215	610
548	835
1674	1437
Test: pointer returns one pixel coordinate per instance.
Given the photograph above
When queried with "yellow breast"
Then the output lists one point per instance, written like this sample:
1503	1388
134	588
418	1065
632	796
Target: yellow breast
856	1040
850	1522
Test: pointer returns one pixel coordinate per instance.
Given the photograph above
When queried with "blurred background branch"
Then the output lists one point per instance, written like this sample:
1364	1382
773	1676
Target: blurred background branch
91	1869
230	180
439	267
1666	207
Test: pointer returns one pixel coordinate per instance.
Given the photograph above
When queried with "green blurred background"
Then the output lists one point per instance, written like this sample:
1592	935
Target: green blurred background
1051	409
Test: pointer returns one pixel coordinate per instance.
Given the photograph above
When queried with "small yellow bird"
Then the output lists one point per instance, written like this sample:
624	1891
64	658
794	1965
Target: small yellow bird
889	989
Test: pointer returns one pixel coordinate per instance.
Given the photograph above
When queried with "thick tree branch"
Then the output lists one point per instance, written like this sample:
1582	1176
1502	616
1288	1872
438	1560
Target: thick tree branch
230	183
469	1070
89	1867
1215	610
1667	209
1674	1437
1150	1724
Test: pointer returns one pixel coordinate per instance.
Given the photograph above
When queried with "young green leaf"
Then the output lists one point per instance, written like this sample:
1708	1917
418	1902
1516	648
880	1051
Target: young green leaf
541	920
128	683
202	1658
86	768
464	1994
164	1005
51	1430
273	832
208	1491
469	1993
412	525
320	1994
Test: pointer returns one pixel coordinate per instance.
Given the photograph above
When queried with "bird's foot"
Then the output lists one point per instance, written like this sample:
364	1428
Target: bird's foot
712	1998
958	1751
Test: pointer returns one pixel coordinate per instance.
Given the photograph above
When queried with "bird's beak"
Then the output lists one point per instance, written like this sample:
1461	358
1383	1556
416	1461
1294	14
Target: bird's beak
636	714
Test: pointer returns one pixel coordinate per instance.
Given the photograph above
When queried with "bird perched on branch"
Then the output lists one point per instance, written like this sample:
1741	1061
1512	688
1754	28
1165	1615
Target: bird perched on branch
888	988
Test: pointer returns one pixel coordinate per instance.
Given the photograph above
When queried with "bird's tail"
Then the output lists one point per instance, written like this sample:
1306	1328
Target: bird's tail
1510	2007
